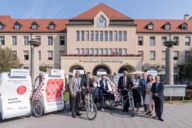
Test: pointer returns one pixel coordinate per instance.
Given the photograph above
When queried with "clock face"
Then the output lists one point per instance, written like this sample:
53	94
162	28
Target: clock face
101	21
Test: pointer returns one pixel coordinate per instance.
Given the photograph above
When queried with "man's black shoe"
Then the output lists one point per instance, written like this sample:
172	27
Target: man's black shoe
73	115
124	110
161	119
78	114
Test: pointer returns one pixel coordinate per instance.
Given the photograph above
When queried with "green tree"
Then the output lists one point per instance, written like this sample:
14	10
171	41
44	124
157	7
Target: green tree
8	60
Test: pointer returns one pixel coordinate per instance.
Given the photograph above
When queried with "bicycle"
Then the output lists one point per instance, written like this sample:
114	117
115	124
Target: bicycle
90	106
131	101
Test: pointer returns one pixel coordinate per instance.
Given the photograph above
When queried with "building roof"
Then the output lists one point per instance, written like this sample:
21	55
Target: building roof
111	13
43	25
159	25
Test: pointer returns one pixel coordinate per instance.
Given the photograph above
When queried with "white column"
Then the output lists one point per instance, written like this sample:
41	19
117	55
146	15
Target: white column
169	66
34	63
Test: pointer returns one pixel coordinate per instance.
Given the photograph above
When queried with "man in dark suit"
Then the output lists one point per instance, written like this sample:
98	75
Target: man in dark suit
158	97
142	85
123	84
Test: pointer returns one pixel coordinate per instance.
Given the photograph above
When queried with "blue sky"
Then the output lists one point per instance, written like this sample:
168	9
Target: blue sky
161	9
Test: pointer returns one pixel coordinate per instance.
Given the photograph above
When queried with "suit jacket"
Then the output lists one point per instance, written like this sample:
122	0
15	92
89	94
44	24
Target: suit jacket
142	85
86	81
73	85
120	83
102	87
158	90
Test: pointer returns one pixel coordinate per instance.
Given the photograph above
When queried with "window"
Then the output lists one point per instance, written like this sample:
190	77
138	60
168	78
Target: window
26	55
176	55
120	35
82	35
87	51
87	35
140	40
101	35
50	55
141	53
38	38
101	51
26	40
92	35
152	55
115	51
167	26
14	53
124	35
110	35
176	40
14	40
124	52
78	35
39	54
163	55
105	51
62	40
115	35
2	40
78	51
187	41
150	26
61	53
187	56
152	41
1	25
184	26
120	51
34	26
82	51
164	39
110	51
17	26
96	35
51	26
91	51
106	35
96	51
50	40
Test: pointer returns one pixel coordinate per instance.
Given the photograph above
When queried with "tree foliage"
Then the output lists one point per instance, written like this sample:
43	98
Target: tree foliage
8	60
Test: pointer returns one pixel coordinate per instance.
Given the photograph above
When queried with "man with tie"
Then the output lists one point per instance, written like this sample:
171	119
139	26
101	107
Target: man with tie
75	92
158	97
123	84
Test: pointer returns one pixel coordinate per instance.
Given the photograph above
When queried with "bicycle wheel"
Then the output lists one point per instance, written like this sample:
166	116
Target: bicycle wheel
91	111
132	108
37	108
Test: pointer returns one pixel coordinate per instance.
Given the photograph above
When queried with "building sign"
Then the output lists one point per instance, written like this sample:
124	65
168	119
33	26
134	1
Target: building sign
100	61
152	72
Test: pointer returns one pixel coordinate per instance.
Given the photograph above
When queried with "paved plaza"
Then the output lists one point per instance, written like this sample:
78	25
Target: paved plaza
177	115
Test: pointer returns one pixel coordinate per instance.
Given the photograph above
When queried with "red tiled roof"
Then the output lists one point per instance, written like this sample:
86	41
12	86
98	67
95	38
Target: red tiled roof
111	13
60	24
158	25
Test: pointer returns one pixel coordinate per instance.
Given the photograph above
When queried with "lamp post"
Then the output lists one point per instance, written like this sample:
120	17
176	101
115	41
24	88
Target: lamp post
169	62
34	59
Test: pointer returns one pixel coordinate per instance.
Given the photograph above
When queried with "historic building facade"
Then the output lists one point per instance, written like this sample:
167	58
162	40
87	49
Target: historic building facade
98	40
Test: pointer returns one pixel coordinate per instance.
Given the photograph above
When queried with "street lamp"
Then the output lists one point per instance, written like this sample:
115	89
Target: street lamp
34	59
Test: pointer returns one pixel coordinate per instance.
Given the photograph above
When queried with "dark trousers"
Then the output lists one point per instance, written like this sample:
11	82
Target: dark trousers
104	95
124	93
144	105
75	101
158	106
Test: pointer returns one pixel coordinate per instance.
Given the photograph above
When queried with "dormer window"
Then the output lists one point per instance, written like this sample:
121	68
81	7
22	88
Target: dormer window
184	26
1	25
51	26
17	26
150	26
34	26
167	26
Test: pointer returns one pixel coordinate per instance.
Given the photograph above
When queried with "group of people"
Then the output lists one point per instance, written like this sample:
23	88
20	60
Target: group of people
147	91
